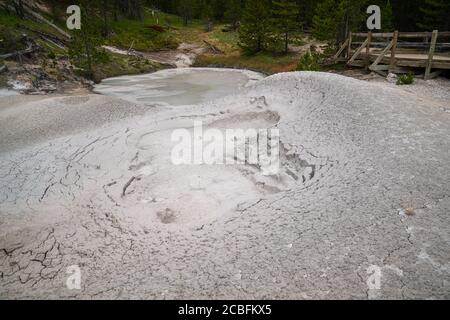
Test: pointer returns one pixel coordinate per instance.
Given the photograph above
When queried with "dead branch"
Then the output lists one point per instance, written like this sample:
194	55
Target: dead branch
47	37
31	48
213	48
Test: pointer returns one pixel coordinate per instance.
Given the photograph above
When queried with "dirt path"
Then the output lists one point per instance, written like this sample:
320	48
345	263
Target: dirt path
183	57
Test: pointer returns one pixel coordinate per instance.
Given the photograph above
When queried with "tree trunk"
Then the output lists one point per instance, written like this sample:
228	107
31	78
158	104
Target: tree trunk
286	43
87	48
105	30
115	9
260	46
18	5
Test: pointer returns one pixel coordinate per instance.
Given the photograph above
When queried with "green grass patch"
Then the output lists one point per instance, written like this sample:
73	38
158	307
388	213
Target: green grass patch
230	38
119	65
309	62
263	62
406	79
139	34
13	21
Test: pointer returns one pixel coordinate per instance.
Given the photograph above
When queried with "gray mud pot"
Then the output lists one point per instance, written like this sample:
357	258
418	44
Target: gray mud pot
4	92
176	87
363	189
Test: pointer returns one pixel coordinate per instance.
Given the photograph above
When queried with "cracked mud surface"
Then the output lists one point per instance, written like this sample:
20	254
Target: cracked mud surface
364	181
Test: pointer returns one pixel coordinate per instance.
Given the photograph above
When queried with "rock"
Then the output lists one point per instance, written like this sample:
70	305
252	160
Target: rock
392	78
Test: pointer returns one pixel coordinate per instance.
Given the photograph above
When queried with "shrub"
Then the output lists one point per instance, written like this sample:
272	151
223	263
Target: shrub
9	40
309	62
405	79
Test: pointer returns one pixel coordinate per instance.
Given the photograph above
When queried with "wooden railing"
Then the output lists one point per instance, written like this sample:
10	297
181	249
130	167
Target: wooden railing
388	60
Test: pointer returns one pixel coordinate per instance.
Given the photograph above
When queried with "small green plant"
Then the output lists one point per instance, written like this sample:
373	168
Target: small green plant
309	62
51	55
406	79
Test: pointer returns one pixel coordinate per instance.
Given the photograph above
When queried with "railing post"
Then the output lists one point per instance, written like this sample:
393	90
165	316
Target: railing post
349	49
369	37
393	51
431	54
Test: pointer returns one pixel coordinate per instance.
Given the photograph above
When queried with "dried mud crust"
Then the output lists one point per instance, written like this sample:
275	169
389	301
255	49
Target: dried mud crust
355	156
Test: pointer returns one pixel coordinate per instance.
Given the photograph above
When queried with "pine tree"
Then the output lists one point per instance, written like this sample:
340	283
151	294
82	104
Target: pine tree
132	9
233	13
406	14
255	26
104	10
54	10
351	17
435	15
84	49
206	14
219	8
186	10
334	19
306	12
324	20
284	19
387	18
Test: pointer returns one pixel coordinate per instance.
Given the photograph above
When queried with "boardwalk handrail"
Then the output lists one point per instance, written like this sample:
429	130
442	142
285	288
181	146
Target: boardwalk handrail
402	34
406	45
396	62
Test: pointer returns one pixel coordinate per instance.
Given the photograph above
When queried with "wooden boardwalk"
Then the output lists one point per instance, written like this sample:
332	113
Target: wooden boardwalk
397	52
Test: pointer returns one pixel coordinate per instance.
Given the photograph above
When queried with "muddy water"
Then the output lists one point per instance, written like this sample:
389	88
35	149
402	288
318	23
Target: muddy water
4	92
177	86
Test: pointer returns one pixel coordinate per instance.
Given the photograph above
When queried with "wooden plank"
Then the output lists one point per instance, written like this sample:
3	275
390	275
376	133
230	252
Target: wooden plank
401	70
380	68
381	55
406	45
393	51
422	34
360	49
414	35
349	48
375	35
420	64
360	34
369	37
357	63
336	56
431	54
410	35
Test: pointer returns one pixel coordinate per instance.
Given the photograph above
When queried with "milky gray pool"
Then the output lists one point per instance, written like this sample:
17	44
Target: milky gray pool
176	87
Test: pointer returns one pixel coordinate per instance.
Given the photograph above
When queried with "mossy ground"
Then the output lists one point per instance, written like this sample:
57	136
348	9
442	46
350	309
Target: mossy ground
142	36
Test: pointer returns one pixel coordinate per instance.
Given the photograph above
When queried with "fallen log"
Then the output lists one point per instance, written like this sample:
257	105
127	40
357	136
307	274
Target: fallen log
2	68
47	37
39	18
31	48
42	19
213	48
